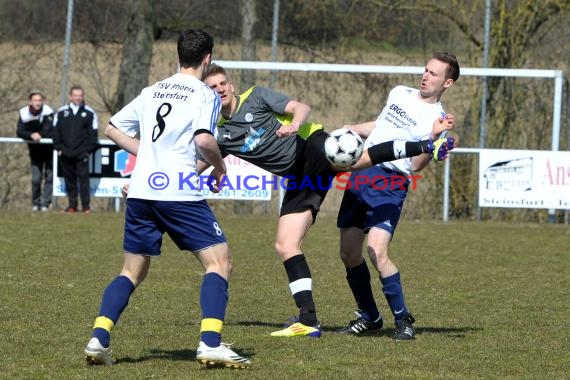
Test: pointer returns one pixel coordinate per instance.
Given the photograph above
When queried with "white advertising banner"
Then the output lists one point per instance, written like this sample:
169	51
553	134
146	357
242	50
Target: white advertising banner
524	179
244	181
110	168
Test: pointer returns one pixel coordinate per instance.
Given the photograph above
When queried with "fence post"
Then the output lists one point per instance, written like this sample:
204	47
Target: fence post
447	169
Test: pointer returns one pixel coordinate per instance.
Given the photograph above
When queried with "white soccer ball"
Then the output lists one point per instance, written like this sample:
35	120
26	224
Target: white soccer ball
343	148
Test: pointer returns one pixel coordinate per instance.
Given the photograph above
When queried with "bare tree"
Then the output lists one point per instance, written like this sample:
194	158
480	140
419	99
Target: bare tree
248	15
137	52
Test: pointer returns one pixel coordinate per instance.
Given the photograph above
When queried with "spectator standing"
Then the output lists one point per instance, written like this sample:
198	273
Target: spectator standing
75	138
35	122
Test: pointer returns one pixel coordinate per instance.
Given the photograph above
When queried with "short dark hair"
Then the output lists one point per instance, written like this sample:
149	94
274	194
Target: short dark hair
76	87
452	64
214	69
35	92
193	45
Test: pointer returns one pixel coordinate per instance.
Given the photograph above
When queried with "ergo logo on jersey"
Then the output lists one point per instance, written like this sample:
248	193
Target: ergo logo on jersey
402	113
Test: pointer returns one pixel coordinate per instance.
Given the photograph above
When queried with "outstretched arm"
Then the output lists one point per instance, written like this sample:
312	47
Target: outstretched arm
363	129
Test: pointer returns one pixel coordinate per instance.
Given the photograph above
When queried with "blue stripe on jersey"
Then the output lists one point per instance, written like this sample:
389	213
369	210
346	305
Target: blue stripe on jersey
215	113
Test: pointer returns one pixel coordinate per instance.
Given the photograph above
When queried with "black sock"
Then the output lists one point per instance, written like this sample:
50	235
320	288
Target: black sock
300	283
358	279
394	150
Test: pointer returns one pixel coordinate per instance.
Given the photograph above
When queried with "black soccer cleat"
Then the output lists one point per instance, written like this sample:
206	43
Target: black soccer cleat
361	326
404	329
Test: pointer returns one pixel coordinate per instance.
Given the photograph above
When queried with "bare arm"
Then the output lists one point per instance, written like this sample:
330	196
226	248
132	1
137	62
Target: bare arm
208	147
300	112
364	162
128	143
420	162
363	129
201	165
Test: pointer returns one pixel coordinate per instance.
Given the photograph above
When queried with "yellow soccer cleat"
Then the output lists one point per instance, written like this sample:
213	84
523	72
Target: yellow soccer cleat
299	329
440	148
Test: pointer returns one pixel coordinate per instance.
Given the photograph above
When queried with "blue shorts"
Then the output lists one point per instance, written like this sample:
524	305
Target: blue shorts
373	197
191	225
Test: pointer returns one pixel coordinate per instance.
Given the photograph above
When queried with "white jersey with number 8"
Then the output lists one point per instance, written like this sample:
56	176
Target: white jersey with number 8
165	117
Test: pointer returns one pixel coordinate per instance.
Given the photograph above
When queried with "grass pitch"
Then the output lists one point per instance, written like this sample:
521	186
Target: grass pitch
490	300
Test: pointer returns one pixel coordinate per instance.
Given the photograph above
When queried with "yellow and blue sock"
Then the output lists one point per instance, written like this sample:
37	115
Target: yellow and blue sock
115	300
213	300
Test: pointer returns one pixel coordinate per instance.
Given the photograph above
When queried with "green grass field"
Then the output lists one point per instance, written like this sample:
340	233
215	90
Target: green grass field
490	299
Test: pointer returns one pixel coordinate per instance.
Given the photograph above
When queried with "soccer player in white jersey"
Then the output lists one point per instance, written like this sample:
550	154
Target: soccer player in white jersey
163	127
374	209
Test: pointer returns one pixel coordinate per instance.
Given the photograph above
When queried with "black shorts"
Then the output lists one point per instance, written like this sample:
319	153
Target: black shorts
313	176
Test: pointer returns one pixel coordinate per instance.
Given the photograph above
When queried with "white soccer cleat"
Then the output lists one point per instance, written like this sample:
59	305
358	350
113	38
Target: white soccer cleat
96	354
221	355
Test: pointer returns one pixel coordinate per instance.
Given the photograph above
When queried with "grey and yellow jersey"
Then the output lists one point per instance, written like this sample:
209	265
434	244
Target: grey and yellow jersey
250	133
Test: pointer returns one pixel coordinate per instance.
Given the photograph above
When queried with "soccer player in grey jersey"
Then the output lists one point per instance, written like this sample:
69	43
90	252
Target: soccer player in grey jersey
270	130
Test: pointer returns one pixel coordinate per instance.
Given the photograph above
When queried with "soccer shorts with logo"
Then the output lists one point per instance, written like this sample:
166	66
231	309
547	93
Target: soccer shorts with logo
373	197
191	225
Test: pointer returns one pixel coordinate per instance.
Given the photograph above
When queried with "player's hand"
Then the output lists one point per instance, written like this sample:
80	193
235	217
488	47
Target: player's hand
125	189
287	130
442	124
215	180
36	136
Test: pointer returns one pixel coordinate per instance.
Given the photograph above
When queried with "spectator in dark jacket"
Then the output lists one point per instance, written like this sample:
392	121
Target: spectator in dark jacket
35	122
75	138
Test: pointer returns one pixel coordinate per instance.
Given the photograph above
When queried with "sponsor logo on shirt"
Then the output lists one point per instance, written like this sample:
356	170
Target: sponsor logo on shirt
402	114
253	140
